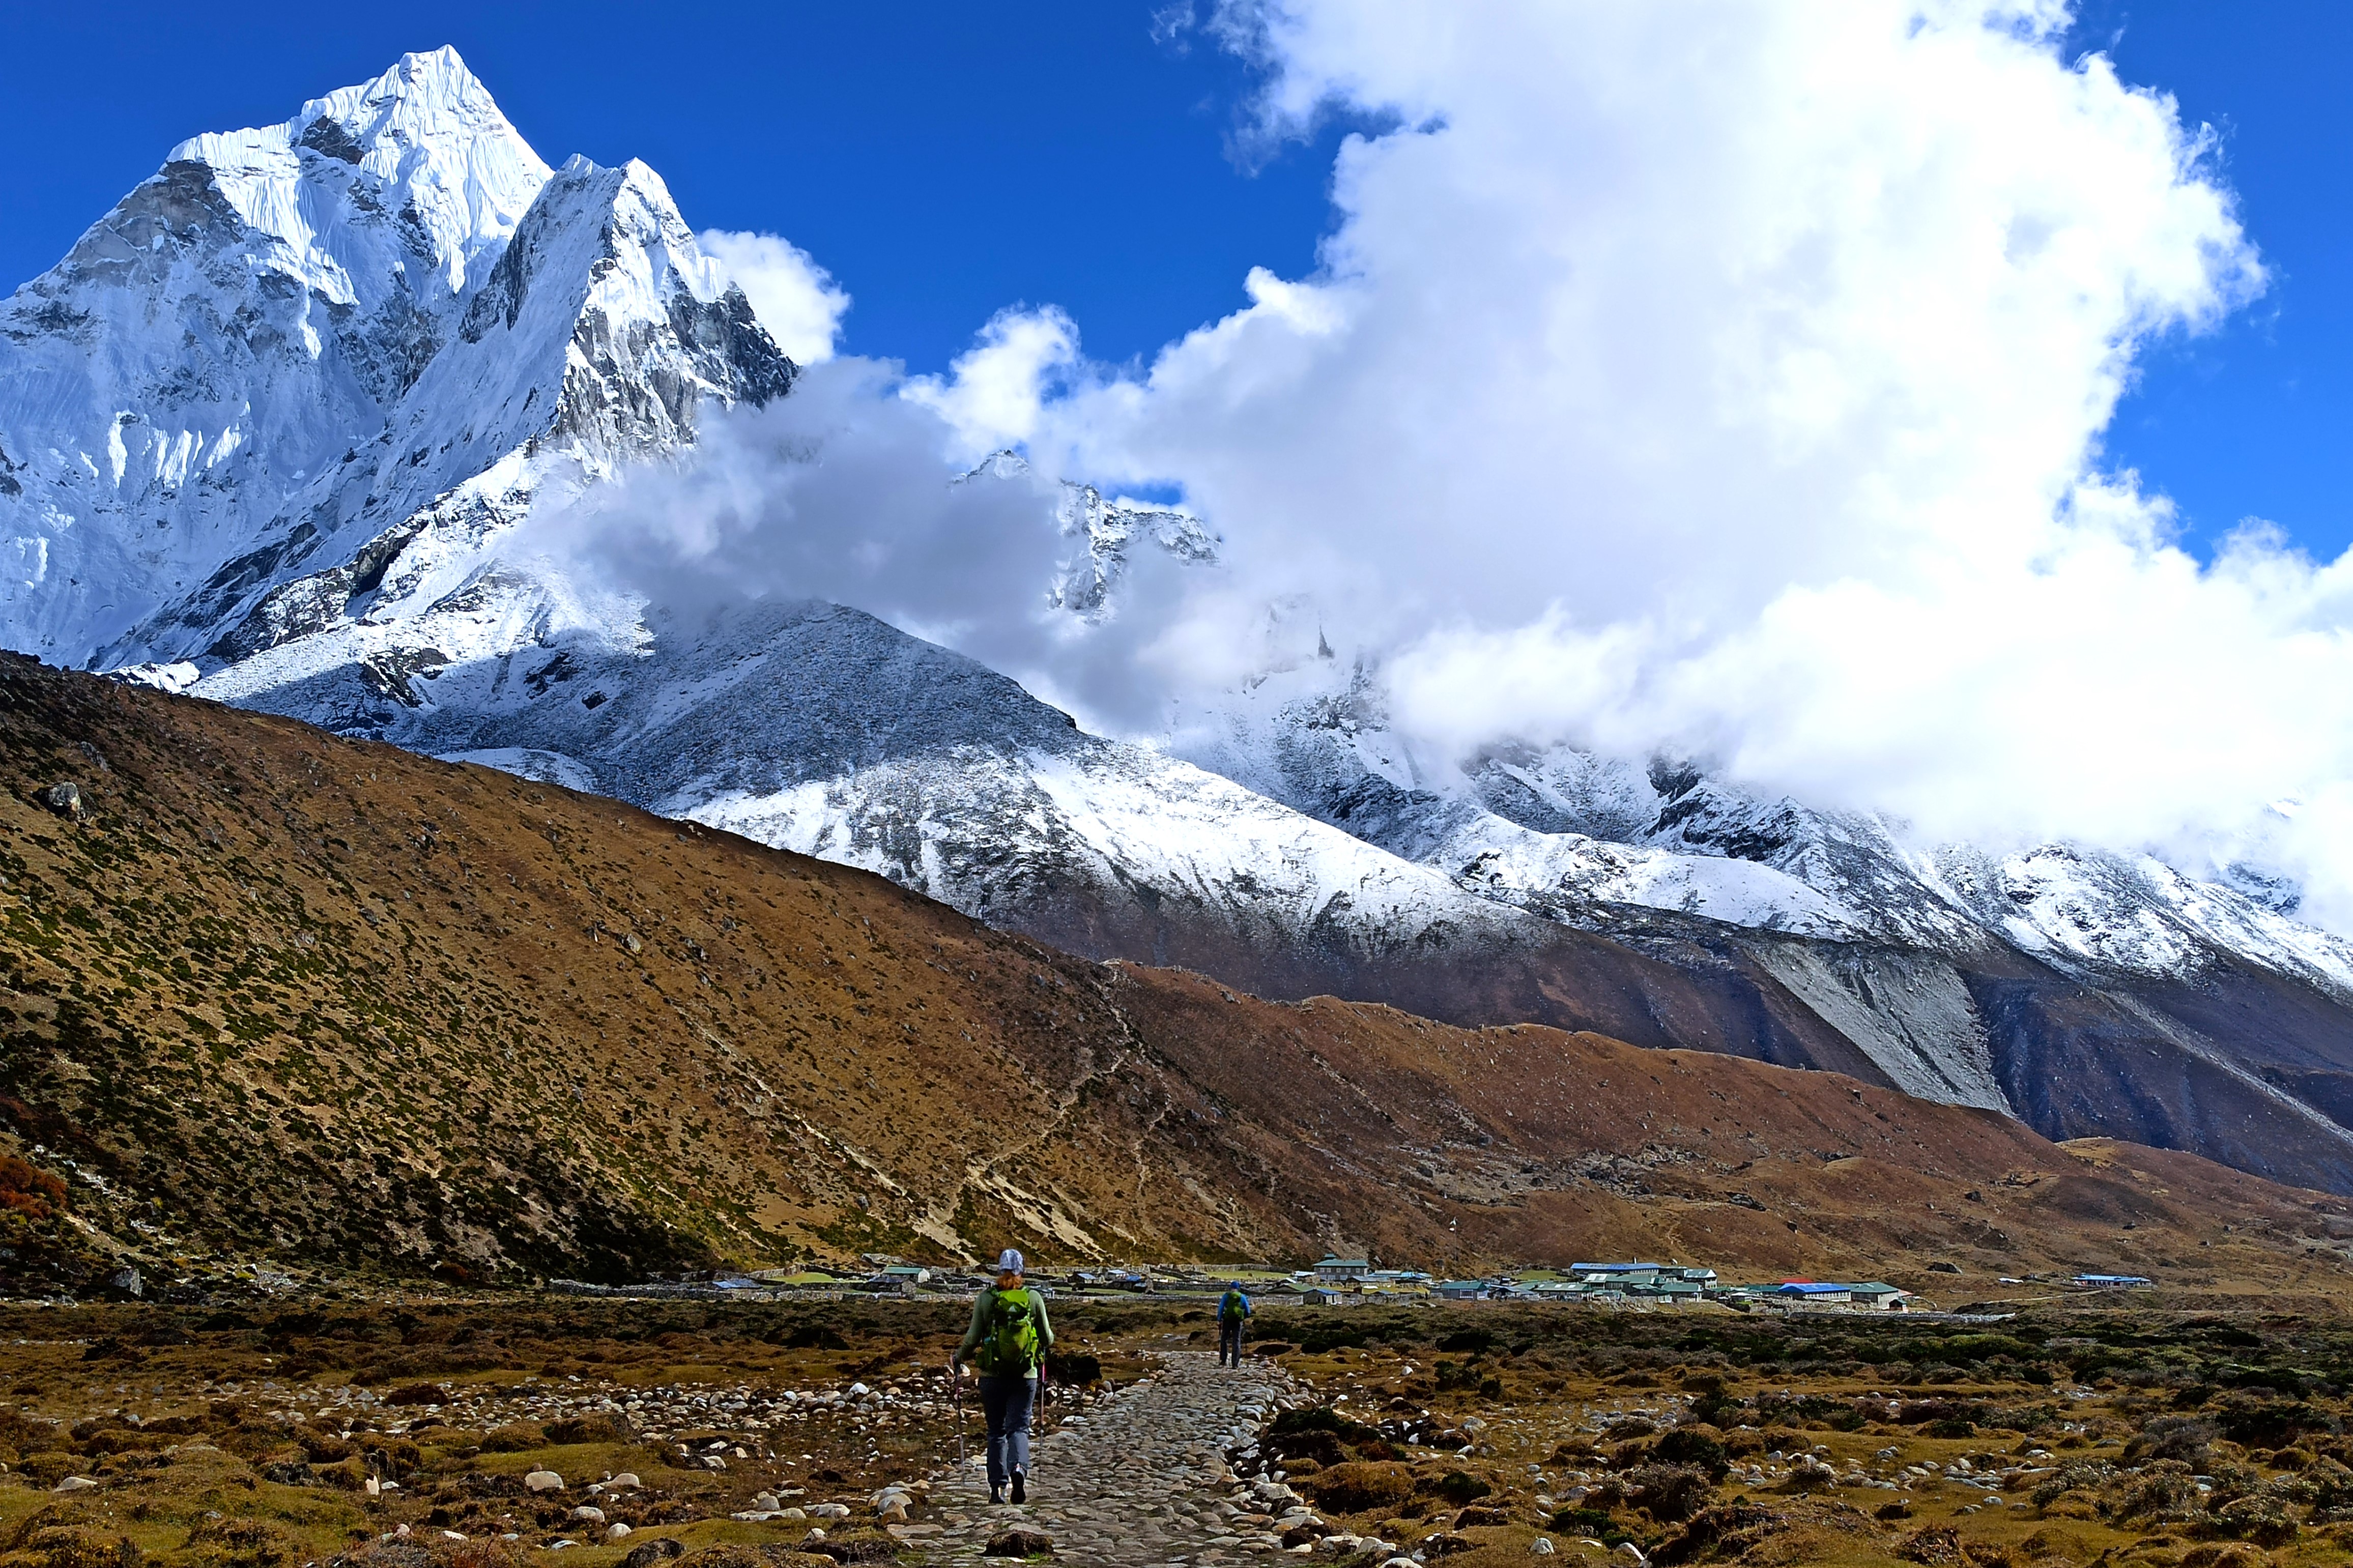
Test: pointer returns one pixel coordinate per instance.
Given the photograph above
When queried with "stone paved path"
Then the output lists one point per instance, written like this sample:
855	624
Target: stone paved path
1141	1483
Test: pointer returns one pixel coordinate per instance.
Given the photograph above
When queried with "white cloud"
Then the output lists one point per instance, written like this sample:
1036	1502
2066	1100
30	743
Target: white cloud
1731	378
795	297
1727	378
994	394
1672	307
846	491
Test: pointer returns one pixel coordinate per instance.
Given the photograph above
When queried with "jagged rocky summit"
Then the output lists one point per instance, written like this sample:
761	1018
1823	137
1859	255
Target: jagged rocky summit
268	432
302	366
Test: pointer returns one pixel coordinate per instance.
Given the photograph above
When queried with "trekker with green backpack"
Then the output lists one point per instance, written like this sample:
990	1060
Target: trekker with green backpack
1233	1312
1008	1341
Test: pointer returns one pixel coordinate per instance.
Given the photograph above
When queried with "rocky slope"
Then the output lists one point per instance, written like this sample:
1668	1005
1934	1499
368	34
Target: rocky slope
268	431
274	992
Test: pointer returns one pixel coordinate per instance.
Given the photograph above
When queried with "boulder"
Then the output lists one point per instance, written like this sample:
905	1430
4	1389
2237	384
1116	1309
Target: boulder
74	1484
653	1553
64	798
616	1531
543	1481
1023	1543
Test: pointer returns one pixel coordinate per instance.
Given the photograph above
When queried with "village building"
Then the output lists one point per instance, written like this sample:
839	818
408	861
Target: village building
1815	1293
1672	1291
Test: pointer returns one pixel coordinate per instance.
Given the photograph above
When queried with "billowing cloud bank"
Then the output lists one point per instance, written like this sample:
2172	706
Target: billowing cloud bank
1728	379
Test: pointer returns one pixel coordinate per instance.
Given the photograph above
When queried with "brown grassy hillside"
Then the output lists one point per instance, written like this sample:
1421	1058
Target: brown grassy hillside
279	994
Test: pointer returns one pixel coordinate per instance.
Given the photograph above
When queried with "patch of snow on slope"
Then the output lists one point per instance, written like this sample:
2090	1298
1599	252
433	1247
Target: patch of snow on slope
1560	873
540	767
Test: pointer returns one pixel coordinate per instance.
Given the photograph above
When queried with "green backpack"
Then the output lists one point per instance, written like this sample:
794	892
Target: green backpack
1009	1345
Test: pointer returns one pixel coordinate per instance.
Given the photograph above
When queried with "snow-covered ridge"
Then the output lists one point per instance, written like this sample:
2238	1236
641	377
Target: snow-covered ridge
1573	835
1113	529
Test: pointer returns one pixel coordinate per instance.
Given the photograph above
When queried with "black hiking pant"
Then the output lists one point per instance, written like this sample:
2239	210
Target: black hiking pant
1008	1400
1229	1342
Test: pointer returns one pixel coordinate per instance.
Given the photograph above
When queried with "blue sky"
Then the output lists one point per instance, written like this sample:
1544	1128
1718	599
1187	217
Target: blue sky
947	160
2253	420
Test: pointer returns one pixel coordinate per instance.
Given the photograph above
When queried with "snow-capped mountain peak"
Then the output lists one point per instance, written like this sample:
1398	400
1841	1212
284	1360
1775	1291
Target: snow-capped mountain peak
425	135
308	362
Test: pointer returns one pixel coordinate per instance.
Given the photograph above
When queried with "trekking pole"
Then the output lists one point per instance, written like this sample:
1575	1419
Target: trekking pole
1038	1415
956	1387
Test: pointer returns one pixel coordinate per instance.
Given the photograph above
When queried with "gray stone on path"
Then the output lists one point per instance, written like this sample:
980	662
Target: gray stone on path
1135	1483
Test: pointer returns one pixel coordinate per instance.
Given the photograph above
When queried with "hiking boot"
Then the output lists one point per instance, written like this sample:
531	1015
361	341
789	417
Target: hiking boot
1021	1491
997	1495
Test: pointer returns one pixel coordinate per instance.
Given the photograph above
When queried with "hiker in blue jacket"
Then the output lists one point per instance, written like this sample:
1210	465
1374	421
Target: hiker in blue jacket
1233	1312
1008	1340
